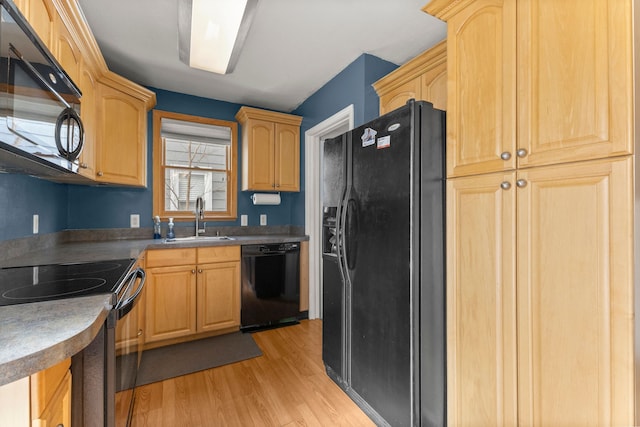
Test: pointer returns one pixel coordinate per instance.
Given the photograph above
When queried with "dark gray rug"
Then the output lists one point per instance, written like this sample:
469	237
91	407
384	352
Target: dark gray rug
185	358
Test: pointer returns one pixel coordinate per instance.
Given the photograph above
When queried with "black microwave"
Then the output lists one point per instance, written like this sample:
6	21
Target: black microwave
41	132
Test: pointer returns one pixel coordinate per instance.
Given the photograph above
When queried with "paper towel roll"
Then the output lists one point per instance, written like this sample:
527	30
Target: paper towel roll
266	199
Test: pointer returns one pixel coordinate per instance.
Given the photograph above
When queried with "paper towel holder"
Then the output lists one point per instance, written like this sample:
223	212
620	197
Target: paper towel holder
265	198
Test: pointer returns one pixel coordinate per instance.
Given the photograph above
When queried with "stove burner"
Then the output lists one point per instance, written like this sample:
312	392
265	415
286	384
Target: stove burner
83	268
54	289
45	282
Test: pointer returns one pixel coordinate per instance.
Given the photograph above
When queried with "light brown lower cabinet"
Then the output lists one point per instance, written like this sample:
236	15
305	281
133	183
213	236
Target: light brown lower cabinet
539	296
218	296
195	291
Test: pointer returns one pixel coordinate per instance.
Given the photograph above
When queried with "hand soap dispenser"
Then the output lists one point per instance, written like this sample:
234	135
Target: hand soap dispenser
156	227
170	233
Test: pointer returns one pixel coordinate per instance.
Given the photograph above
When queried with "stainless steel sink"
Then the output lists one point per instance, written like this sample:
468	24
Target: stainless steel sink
198	239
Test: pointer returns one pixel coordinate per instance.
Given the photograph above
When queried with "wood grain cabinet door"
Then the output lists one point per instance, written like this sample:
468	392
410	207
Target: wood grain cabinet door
481	114
259	149
170	302
41	15
218	296
575	80
422	78
87	82
270	150
481	301
434	87
66	50
122	126
399	96
575	296
287	157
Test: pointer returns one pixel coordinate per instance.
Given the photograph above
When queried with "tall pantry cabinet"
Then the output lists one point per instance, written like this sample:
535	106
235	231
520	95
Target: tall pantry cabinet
540	212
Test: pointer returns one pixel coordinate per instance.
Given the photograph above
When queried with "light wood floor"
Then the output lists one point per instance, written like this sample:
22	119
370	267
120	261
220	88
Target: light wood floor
286	386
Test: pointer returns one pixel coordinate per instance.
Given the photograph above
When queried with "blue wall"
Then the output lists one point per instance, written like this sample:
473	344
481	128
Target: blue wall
101	207
62	206
23	196
353	85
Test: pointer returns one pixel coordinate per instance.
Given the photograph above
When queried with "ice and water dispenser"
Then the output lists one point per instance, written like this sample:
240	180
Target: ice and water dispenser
329	231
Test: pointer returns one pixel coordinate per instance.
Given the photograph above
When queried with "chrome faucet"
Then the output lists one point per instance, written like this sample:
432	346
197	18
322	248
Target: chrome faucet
199	213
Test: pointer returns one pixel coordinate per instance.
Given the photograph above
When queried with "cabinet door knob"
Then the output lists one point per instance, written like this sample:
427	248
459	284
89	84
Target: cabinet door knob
521	152
278	185
84	165
99	173
193	271
199	270
505	185
505	156
139	332
521	183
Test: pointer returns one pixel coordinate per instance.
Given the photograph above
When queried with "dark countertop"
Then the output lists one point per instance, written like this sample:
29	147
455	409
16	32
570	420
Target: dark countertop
119	249
38	335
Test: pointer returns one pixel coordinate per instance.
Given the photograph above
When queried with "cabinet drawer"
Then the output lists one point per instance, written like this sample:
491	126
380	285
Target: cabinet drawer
167	257
44	384
218	254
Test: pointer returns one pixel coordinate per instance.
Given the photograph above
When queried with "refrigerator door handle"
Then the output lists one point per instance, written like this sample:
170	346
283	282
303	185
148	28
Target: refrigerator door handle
340	235
350	229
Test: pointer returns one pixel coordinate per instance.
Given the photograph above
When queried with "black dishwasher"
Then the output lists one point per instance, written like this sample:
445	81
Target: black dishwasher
270	285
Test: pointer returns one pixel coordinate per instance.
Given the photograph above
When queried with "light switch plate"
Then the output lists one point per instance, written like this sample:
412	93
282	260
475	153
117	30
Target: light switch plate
36	223
244	220
135	220
263	219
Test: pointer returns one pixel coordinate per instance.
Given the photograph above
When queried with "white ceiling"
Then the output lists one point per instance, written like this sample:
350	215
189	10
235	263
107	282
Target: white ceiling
293	48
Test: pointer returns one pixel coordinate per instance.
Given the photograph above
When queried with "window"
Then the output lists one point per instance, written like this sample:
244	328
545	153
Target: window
194	157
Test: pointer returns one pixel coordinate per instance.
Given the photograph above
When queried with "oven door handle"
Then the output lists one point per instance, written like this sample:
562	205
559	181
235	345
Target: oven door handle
124	306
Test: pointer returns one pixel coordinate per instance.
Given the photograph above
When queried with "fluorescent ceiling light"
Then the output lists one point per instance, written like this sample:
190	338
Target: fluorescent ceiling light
211	32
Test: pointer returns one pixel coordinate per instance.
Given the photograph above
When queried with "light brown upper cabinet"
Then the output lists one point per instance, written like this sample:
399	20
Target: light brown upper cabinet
113	109
270	150
66	50
536	83
121	156
41	16
89	87
22	6
422	78
68	54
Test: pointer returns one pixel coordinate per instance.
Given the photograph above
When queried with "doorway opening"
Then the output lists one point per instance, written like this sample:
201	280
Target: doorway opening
337	124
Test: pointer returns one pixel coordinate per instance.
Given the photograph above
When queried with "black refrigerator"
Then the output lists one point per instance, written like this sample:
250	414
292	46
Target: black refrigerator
383	266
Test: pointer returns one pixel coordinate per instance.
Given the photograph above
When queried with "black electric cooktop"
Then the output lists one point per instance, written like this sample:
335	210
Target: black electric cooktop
20	285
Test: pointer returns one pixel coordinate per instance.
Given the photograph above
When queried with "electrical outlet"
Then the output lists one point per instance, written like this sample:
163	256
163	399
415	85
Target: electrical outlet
36	223
134	220
244	220
263	219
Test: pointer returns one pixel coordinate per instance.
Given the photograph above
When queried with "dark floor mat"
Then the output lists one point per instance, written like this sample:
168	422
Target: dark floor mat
180	359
